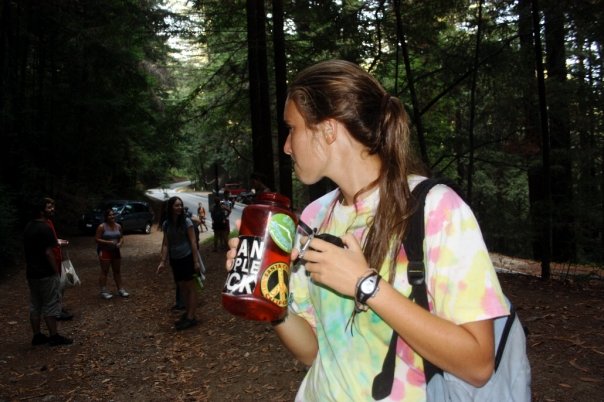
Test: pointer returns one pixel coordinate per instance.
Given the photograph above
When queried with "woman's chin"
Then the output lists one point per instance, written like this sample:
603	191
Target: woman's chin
308	180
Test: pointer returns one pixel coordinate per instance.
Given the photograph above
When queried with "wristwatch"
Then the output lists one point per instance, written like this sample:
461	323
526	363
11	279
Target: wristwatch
366	289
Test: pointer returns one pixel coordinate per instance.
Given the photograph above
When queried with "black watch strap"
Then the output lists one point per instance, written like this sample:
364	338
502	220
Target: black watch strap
361	296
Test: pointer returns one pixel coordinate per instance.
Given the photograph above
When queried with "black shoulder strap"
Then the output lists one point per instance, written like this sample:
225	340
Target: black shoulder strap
416	275
414	240
414	244
414	248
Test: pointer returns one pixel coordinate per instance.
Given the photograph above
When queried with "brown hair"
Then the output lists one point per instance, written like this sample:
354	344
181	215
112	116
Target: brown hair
340	90
39	206
106	213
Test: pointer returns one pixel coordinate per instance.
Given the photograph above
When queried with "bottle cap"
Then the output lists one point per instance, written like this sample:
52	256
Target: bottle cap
273	198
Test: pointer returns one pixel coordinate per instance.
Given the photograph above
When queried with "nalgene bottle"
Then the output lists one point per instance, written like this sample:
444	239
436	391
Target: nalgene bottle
257	286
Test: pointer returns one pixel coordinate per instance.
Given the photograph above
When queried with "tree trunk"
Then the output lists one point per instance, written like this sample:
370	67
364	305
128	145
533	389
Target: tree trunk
262	144
285	162
589	231
563	236
473	105
529	144
540	177
417	119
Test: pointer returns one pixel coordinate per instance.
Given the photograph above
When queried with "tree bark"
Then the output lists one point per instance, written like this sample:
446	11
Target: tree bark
529	143
473	105
541	177
417	118
262	144
285	162
563	234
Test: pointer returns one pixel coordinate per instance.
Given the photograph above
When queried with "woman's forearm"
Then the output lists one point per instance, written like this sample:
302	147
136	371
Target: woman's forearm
164	254
466	351
298	337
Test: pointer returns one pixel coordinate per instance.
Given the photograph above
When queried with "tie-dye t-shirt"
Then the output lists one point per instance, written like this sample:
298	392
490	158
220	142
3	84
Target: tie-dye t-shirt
462	287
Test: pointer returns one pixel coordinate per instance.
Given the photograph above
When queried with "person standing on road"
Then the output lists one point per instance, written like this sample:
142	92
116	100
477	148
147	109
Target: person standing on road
43	279
180	248
110	239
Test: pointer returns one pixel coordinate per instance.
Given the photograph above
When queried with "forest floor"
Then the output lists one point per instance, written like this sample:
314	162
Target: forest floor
127	349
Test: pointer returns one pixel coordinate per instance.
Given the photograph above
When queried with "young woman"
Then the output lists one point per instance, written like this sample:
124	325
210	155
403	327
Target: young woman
179	246
343	125
109	240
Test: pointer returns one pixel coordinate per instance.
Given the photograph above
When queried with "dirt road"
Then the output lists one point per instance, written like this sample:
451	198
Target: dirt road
127	349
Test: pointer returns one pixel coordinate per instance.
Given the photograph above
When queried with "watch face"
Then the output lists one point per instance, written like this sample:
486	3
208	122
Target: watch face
368	285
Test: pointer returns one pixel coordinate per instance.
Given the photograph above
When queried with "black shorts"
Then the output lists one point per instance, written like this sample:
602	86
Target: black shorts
183	269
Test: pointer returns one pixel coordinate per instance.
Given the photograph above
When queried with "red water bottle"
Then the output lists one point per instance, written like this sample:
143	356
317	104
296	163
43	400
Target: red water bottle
257	287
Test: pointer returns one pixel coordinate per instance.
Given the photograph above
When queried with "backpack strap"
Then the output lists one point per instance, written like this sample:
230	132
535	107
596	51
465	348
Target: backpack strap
509	321
416	271
414	248
416	275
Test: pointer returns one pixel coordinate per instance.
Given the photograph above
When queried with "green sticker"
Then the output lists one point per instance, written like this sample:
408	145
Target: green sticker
281	229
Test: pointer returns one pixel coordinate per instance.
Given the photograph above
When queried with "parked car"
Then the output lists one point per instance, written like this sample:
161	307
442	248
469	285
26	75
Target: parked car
133	215
234	189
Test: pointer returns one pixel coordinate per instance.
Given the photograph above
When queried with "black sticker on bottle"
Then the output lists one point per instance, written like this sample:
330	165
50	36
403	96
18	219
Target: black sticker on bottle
242	279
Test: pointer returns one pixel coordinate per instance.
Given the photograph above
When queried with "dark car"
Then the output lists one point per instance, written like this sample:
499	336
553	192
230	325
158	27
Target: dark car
134	216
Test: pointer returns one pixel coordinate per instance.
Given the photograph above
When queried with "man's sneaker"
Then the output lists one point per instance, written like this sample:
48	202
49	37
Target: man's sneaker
183	317
185	323
106	295
39	339
122	292
64	315
57	340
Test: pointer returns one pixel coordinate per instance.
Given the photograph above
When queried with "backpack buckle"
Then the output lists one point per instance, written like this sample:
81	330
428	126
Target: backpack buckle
416	273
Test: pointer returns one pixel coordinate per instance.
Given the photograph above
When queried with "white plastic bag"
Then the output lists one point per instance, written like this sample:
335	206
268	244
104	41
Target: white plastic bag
200	276
69	277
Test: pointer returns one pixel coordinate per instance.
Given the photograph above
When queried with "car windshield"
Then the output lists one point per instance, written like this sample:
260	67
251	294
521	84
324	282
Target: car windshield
115	206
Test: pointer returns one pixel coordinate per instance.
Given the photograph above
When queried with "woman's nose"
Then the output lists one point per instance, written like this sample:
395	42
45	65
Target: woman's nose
287	147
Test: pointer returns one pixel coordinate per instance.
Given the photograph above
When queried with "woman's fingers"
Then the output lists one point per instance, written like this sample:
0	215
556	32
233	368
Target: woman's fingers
231	253
351	243
336	267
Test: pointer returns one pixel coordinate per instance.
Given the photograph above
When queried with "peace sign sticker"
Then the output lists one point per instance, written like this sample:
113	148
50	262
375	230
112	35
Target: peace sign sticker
274	283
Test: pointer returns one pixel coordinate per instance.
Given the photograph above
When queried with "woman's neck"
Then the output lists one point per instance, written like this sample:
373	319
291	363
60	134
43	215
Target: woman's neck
351	166
358	178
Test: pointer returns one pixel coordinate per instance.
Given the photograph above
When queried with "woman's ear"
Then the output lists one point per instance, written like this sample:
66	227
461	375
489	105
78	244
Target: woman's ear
329	130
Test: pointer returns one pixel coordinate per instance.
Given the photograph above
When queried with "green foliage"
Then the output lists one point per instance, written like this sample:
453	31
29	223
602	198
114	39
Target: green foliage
94	104
441	39
84	101
214	105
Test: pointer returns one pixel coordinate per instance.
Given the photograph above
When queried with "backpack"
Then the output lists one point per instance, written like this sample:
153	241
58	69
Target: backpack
512	375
